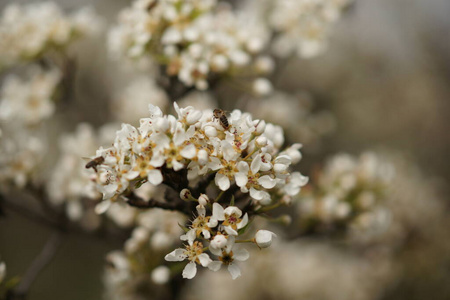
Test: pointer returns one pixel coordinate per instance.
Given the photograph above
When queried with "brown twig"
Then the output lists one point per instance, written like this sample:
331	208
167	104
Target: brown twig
41	261
136	201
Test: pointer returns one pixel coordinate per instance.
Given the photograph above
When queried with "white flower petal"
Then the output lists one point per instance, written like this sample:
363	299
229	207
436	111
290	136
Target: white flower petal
176	255
218	212
256	164
244	222
201	210
215	266
155	177
230	230
241	254
222	181
206	234
204	259
230	210
189	151
241	179
102	207
234	271
190	270
267	182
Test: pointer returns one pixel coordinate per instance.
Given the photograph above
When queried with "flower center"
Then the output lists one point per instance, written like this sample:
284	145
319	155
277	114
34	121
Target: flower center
226	258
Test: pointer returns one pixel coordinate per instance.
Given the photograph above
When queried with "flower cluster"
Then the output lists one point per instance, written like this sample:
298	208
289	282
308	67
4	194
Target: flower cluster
220	230
349	192
24	105
235	150
28	31
233	153
192	39
22	153
157	230
29	101
73	185
303	26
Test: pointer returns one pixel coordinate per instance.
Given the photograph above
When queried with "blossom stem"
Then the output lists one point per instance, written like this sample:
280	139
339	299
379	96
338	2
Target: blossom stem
270	207
245	241
219	196
251	153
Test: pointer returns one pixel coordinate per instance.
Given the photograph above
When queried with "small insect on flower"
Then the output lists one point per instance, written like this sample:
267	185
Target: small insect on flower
222	117
95	162
152	5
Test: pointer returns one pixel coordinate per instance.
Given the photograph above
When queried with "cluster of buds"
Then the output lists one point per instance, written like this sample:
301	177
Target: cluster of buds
348	193
193	39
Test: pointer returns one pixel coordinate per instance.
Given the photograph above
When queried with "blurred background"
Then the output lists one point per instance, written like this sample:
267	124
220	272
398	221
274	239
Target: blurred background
385	78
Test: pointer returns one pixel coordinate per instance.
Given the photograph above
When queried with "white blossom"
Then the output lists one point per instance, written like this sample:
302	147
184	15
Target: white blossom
194	253
27	31
263	238
246	153
227	256
303	26
29	101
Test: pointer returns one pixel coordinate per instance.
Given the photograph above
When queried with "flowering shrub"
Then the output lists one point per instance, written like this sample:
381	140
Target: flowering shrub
180	139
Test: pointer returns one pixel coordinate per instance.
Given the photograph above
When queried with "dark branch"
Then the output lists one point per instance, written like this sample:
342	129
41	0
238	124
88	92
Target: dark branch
136	201
61	223
38	265
202	185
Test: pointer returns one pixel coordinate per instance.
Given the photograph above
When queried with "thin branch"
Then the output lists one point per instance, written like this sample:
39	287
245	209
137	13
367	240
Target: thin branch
61	224
38	265
136	201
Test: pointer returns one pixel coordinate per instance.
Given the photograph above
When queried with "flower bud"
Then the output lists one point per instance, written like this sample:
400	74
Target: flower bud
286	200
343	210
131	246
203	199
262	87
264	64
263	238
286	220
185	194
261	141
160	275
219	241
219	62
210	131
140	235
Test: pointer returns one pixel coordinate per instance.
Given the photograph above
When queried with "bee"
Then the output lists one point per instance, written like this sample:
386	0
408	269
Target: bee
152	5
222	117
95	162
